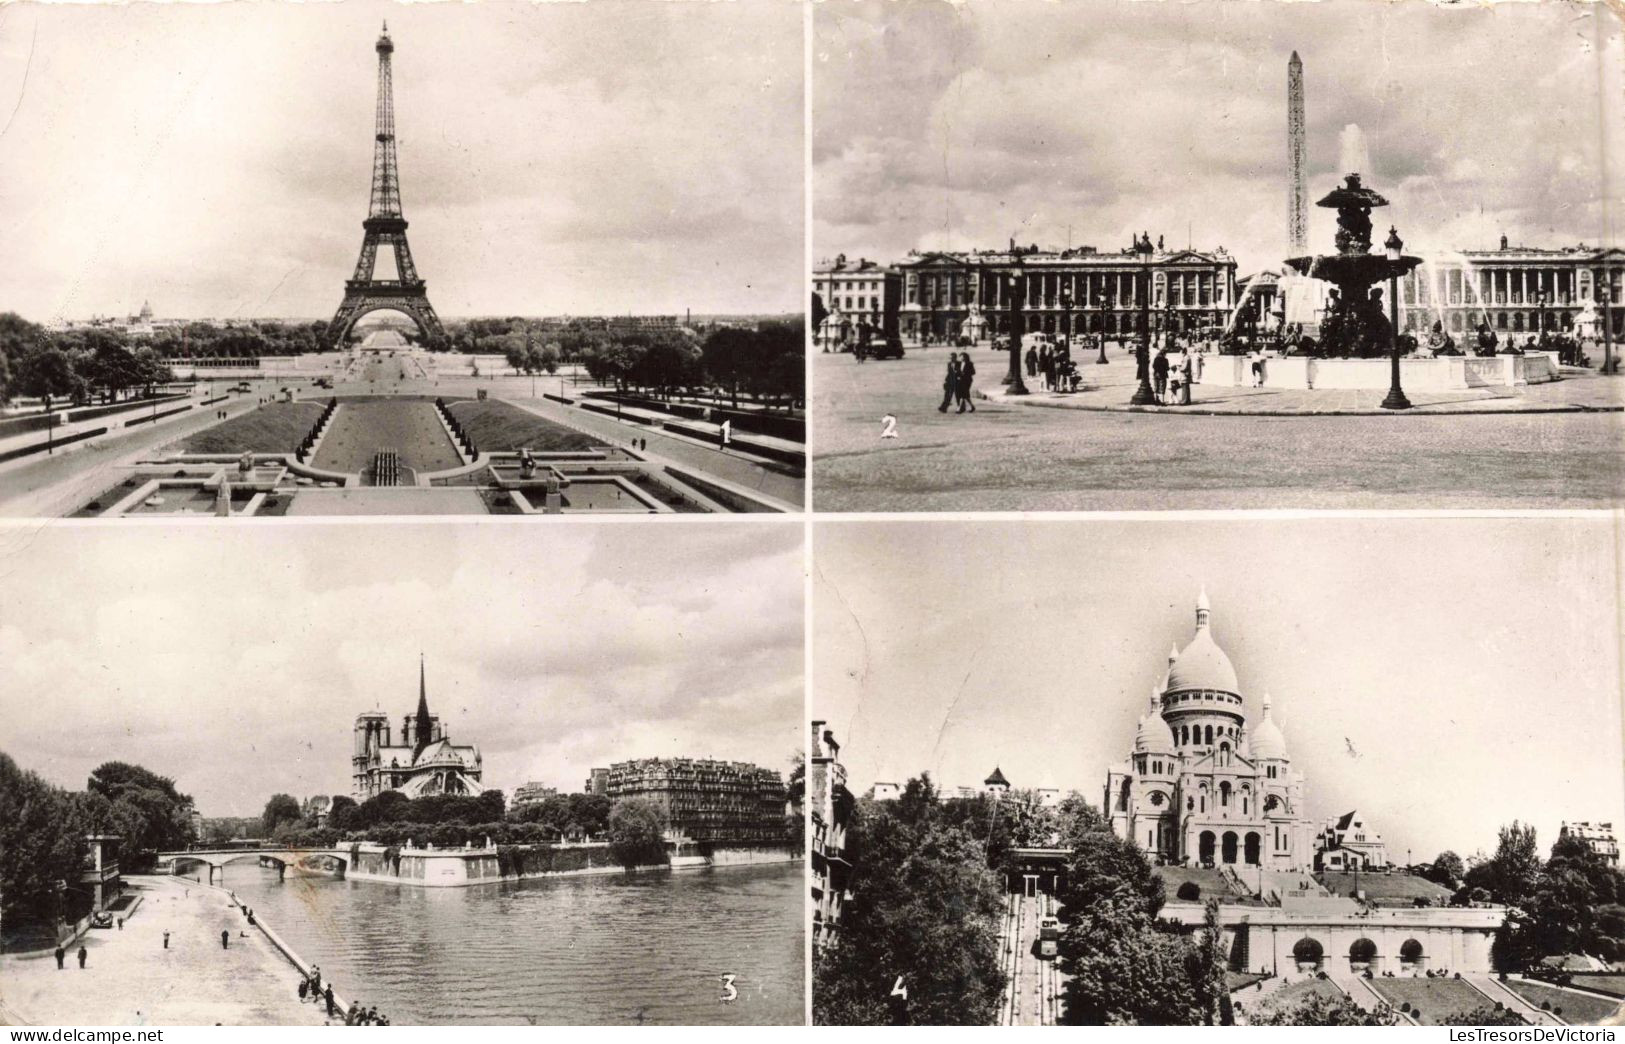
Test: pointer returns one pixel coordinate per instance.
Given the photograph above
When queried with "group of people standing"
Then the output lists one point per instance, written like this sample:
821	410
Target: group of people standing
1171	377
957	382
312	988
1053	365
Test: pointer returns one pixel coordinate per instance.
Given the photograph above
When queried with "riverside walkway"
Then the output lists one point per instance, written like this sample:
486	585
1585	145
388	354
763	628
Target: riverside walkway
129	977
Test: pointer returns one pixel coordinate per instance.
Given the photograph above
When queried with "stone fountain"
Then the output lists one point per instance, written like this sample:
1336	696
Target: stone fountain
1354	324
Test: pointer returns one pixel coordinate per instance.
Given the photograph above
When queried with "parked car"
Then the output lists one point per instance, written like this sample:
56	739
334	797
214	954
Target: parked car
101	920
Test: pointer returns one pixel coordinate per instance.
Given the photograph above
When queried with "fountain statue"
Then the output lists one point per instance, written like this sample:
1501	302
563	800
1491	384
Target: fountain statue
1354	323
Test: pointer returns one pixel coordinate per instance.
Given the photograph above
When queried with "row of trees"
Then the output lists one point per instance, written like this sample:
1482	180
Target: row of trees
634	828
43	829
926	898
1570	903
76	366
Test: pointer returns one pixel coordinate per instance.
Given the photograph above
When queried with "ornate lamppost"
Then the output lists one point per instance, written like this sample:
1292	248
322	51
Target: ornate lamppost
1144	395
1066	316
1396	395
1015	286
1542	299
1106	302
1604	298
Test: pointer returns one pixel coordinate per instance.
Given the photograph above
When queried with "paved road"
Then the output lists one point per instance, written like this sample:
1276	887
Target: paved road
130	979
1019	458
52	486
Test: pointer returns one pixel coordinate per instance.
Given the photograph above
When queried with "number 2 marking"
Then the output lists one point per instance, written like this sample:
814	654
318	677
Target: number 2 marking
888	427
730	992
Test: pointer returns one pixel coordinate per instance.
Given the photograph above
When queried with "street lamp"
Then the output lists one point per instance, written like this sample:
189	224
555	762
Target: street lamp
1105	302
1016	286
1542	299
1143	395
1604	295
1396	395
1066	317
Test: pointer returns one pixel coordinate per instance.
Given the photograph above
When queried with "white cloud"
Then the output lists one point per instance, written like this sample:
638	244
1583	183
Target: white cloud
237	661
625	155
941	125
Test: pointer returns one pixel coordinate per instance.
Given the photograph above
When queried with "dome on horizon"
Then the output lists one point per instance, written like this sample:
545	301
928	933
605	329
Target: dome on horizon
1203	665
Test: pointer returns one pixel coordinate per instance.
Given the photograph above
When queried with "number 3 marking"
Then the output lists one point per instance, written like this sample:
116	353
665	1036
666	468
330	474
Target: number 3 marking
729	991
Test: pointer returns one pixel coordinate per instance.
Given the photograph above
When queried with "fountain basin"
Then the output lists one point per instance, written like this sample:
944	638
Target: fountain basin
1353	270
1445	373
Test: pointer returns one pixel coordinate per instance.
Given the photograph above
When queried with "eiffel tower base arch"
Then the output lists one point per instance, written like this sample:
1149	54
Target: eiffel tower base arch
413	302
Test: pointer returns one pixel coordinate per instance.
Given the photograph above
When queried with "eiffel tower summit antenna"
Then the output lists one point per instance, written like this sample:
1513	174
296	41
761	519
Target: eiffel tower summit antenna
385	226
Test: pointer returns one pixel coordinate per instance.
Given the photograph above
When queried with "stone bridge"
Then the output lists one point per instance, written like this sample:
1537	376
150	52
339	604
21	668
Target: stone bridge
310	860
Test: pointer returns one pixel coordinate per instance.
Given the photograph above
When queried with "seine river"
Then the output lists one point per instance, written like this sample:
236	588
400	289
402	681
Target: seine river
652	948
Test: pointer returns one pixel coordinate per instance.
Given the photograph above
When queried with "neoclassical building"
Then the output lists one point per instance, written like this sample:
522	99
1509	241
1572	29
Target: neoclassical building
424	762
1078	290
1515	289
1202	787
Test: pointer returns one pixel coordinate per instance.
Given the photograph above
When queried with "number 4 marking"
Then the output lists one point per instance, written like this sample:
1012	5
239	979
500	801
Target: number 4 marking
899	990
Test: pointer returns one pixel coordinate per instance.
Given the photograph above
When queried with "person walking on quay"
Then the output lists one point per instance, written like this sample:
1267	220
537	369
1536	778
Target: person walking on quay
1159	372
61	956
166	938
962	388
327	995
225	938
950	382
82	956
304	990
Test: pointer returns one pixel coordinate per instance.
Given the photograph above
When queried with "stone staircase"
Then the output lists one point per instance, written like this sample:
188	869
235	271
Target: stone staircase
1495	992
1360	992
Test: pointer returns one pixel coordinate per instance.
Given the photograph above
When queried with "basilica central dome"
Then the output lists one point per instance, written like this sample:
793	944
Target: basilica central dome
1203	665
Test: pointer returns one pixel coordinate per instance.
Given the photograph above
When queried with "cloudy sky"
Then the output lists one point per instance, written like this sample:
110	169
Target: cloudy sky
1443	676
610	157
236	660
950	126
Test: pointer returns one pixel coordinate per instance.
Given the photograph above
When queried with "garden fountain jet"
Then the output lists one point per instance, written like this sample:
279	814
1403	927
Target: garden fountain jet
1354	324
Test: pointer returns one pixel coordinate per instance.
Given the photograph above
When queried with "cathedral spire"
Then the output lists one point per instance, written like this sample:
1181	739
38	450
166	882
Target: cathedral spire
1203	610
423	730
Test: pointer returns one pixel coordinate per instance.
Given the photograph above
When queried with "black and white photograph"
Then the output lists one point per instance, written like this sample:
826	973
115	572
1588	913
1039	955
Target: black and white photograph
1353	772
269	777
401	259
1151	256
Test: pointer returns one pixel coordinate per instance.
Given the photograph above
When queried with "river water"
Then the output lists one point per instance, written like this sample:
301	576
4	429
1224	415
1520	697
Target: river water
650	948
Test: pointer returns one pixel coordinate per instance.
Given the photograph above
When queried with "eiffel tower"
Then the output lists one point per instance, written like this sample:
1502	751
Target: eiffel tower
384	227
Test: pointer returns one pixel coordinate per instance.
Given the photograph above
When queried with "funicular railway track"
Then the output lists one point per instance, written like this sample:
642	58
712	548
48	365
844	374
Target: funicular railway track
1032	992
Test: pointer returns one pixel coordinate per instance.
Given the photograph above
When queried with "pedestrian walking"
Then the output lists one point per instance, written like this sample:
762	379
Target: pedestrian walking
166	938
1185	373
1046	365
950	382
225	939
304	990
328	996
121	924
962	384
82	956
316	976
61	955
1032	362
1159	373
